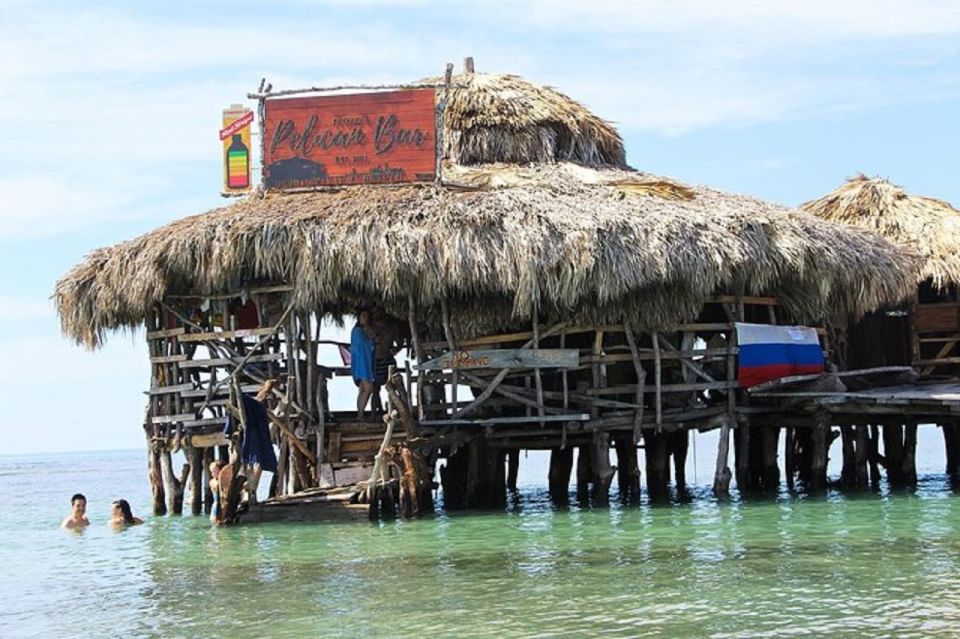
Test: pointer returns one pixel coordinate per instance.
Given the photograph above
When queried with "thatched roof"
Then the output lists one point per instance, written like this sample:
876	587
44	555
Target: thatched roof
578	241
923	225
504	118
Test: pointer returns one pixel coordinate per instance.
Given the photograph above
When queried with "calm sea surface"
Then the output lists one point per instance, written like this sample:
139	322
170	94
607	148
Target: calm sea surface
870	565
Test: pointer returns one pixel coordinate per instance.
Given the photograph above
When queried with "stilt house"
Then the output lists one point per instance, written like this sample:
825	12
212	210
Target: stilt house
552	298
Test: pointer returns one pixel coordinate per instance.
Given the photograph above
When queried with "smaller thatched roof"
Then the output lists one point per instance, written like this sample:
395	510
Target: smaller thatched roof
926	226
503	118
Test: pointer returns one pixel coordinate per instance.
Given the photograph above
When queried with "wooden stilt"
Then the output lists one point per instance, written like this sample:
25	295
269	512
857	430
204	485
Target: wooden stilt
818	458
196	480
156	480
848	472
951	442
873	455
174	484
770	470
678	442
583	474
561	464
742	439
721	476
656	456
861	454
893	454
910	453
628	469
513	467
788	453
601	471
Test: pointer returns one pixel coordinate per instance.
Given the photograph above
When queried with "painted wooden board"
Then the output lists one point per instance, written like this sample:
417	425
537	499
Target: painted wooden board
505	358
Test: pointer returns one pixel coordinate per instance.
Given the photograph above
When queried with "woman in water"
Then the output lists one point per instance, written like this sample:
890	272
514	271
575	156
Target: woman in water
121	516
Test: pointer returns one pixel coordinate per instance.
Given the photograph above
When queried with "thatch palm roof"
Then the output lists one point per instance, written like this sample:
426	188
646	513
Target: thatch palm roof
923	225
569	235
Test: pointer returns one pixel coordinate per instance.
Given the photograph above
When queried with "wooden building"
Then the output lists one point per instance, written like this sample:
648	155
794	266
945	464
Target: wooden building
551	297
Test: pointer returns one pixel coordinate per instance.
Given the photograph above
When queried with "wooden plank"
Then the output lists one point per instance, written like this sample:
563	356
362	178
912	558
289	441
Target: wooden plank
666	388
504	358
168	359
533	419
228	361
167	332
221	392
218	335
172	419
169	390
207	421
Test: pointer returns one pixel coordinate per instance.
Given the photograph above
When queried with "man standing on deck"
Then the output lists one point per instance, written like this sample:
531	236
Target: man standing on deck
77	518
361	360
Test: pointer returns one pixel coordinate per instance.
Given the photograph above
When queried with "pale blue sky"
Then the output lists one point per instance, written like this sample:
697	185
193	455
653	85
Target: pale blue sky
109	114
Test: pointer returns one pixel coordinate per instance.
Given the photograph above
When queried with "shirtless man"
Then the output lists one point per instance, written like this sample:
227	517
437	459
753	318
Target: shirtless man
78	513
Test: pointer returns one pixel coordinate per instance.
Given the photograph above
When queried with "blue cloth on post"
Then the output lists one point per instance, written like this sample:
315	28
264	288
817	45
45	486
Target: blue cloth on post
361	355
257	447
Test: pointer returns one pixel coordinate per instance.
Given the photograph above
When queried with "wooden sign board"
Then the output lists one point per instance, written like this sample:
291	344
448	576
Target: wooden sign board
505	358
369	138
235	139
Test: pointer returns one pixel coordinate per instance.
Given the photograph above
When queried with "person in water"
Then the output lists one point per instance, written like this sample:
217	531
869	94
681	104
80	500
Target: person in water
215	467
121	516
362	360
77	518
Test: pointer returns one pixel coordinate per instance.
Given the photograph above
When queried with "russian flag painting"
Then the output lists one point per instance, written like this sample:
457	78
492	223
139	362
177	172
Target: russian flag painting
771	352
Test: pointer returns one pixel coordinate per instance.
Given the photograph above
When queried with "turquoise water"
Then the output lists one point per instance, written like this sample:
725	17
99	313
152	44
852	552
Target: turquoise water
871	565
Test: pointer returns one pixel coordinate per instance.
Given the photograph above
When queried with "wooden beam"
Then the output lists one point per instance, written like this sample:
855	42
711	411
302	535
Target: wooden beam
221	335
167	332
520	419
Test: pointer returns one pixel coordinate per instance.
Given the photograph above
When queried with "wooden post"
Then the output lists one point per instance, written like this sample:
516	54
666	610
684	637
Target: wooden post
848	473
893	454
721	476
418	351
658	465
583	474
561	465
860	456
638	393
196	480
788	453
174	483
657	374
628	469
452	345
538	380
742	439
678	442
910	453
602	472
156	478
951	443
770	473
873	455
820	437
513	467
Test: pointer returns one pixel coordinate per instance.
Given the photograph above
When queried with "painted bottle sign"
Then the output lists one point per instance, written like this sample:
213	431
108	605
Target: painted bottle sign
238	164
235	139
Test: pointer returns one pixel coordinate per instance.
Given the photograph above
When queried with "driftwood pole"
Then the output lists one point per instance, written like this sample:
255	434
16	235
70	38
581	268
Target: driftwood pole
196	480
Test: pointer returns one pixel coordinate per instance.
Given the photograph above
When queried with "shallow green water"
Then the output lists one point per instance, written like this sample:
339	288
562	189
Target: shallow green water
876	565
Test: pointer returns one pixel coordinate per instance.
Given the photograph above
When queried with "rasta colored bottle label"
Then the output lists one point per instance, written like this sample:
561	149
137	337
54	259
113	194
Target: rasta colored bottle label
235	142
238	164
